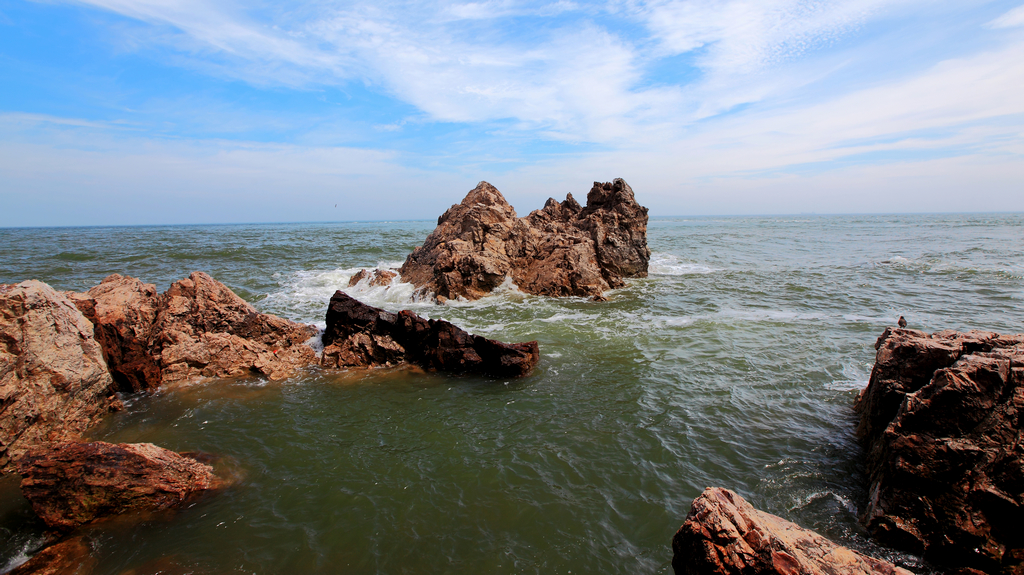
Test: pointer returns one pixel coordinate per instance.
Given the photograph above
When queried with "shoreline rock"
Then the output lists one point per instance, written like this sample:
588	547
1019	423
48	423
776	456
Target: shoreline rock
197	328
54	382
725	535
79	483
941	420
359	335
71	556
563	249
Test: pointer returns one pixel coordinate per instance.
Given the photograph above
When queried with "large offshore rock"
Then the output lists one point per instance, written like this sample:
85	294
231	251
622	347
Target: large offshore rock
561	250
359	335
78	483
942	421
725	535
53	379
197	328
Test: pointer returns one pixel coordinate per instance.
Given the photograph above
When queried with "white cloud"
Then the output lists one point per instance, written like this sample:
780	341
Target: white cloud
1011	19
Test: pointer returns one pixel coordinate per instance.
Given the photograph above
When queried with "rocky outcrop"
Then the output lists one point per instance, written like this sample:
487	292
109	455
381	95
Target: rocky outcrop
359	335
723	534
376	278
78	483
197	328
942	422
563	249
53	379
68	557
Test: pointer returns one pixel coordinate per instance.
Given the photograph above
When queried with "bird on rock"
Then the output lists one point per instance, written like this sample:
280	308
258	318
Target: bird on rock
902	322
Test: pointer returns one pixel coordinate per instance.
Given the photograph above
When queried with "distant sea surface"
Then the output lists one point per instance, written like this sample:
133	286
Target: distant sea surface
734	364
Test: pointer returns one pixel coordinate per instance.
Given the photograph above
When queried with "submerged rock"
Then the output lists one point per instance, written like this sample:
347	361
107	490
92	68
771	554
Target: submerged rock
359	335
53	379
68	557
563	249
197	328
79	483
723	534
942	422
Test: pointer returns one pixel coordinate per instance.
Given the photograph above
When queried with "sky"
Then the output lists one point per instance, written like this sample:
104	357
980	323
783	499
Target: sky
135	112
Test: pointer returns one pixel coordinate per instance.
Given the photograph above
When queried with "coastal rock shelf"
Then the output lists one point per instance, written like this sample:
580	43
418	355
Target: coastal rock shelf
54	382
563	249
942	422
78	483
725	535
359	335
197	328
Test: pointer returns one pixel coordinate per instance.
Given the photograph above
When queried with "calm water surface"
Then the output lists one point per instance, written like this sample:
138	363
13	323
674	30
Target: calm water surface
734	364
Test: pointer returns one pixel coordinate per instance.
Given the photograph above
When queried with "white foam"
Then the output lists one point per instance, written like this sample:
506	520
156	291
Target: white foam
662	264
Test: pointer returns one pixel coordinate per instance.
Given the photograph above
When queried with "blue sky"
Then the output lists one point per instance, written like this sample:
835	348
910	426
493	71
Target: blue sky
195	111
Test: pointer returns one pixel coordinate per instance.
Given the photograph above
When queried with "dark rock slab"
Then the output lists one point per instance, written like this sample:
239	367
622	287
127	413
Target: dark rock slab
941	419
563	249
359	335
725	535
79	483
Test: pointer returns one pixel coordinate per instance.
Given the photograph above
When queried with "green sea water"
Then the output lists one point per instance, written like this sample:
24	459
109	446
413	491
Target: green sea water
734	364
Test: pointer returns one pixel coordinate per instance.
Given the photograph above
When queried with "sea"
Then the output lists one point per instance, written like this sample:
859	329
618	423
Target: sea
736	364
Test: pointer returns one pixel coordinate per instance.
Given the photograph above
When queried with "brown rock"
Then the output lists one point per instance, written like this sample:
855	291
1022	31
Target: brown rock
53	380
78	483
197	328
68	557
359	335
942	422
723	534
377	277
561	250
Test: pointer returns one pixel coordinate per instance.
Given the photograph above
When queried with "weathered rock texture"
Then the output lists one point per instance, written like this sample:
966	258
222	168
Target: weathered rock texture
561	250
78	483
53	380
942	419
359	335
723	534
68	557
197	328
376	277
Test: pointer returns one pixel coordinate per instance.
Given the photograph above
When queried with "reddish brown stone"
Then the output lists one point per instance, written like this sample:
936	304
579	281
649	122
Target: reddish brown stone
359	335
53	379
197	328
561	250
78	483
942	422
68	557
725	535
377	277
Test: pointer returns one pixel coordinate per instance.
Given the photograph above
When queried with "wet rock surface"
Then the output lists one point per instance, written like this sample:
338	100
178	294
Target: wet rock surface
941	419
78	483
723	534
54	382
563	249
197	328
68	557
359	335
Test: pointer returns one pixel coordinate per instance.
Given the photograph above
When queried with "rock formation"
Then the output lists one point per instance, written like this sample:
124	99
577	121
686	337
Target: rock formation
563	249
197	328
723	534
376	277
68	557
942	422
78	483
53	379
359	335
